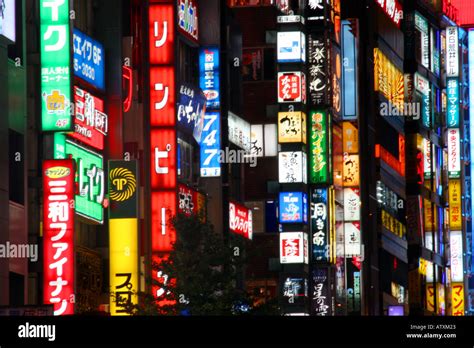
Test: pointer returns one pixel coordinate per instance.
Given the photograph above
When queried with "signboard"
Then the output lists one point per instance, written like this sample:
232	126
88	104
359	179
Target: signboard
162	96
294	289
240	220
239	131
58	235
55	66
89	60
8	20
256	140
123	189
393	225
456	259
458	296
291	87
291	47
320	224
351	204
318	70
454	153
191	110
350	138
455	213
388	80
292	167
91	124
292	127
350	102
350	173
209	75
210	145
421	24
452	96
293	247
318	147
163	158
161	33
426	145
352	245
452	52
163	209
390	201
188	19
190	201
90	180
293	207
393	9
321	293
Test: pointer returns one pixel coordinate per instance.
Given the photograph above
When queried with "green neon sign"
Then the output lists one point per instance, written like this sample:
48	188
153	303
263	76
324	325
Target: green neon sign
318	148
55	65
90	177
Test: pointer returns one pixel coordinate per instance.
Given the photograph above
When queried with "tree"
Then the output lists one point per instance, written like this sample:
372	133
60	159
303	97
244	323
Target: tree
199	275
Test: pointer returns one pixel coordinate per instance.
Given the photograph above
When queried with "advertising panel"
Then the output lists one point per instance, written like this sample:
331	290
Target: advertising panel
352	243
293	247
292	127
292	167
239	131
291	87
293	207
123	189
291	47
91	183
188	19
210	145
351	204
320	224
8	20
456	248
349	73
318	147
55	66
163	158
240	220
454	153
452	96
89	59
58	235
321	293
455	213
209	75
191	110
91	124
452	52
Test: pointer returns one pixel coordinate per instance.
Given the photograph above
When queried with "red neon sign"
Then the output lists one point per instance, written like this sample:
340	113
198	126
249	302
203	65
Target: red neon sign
163	208
162	96
240	220
127	81
58	239
392	9
163	158
90	123
161	34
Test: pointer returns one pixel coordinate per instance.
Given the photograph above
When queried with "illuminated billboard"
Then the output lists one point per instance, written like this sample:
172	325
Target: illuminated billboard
455	213
91	124
454	153
388	80
90	180
352	245
190	201
452	52
453	101
58	235
292	167
291	47
320	224
291	87
123	253
456	259
123	189
319	147
240	220
393	9
292	127
457	300
239	131
351	204
209	75
163	158
188	19
350	172
89	60
350	85
210	145
293	207
55	66
293	247
191	109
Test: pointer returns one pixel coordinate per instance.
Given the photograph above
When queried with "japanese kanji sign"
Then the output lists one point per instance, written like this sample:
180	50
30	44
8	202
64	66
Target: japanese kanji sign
291	87
58	235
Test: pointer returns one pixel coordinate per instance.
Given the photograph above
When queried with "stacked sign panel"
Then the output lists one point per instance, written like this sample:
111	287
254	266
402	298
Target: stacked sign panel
123	234
163	144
